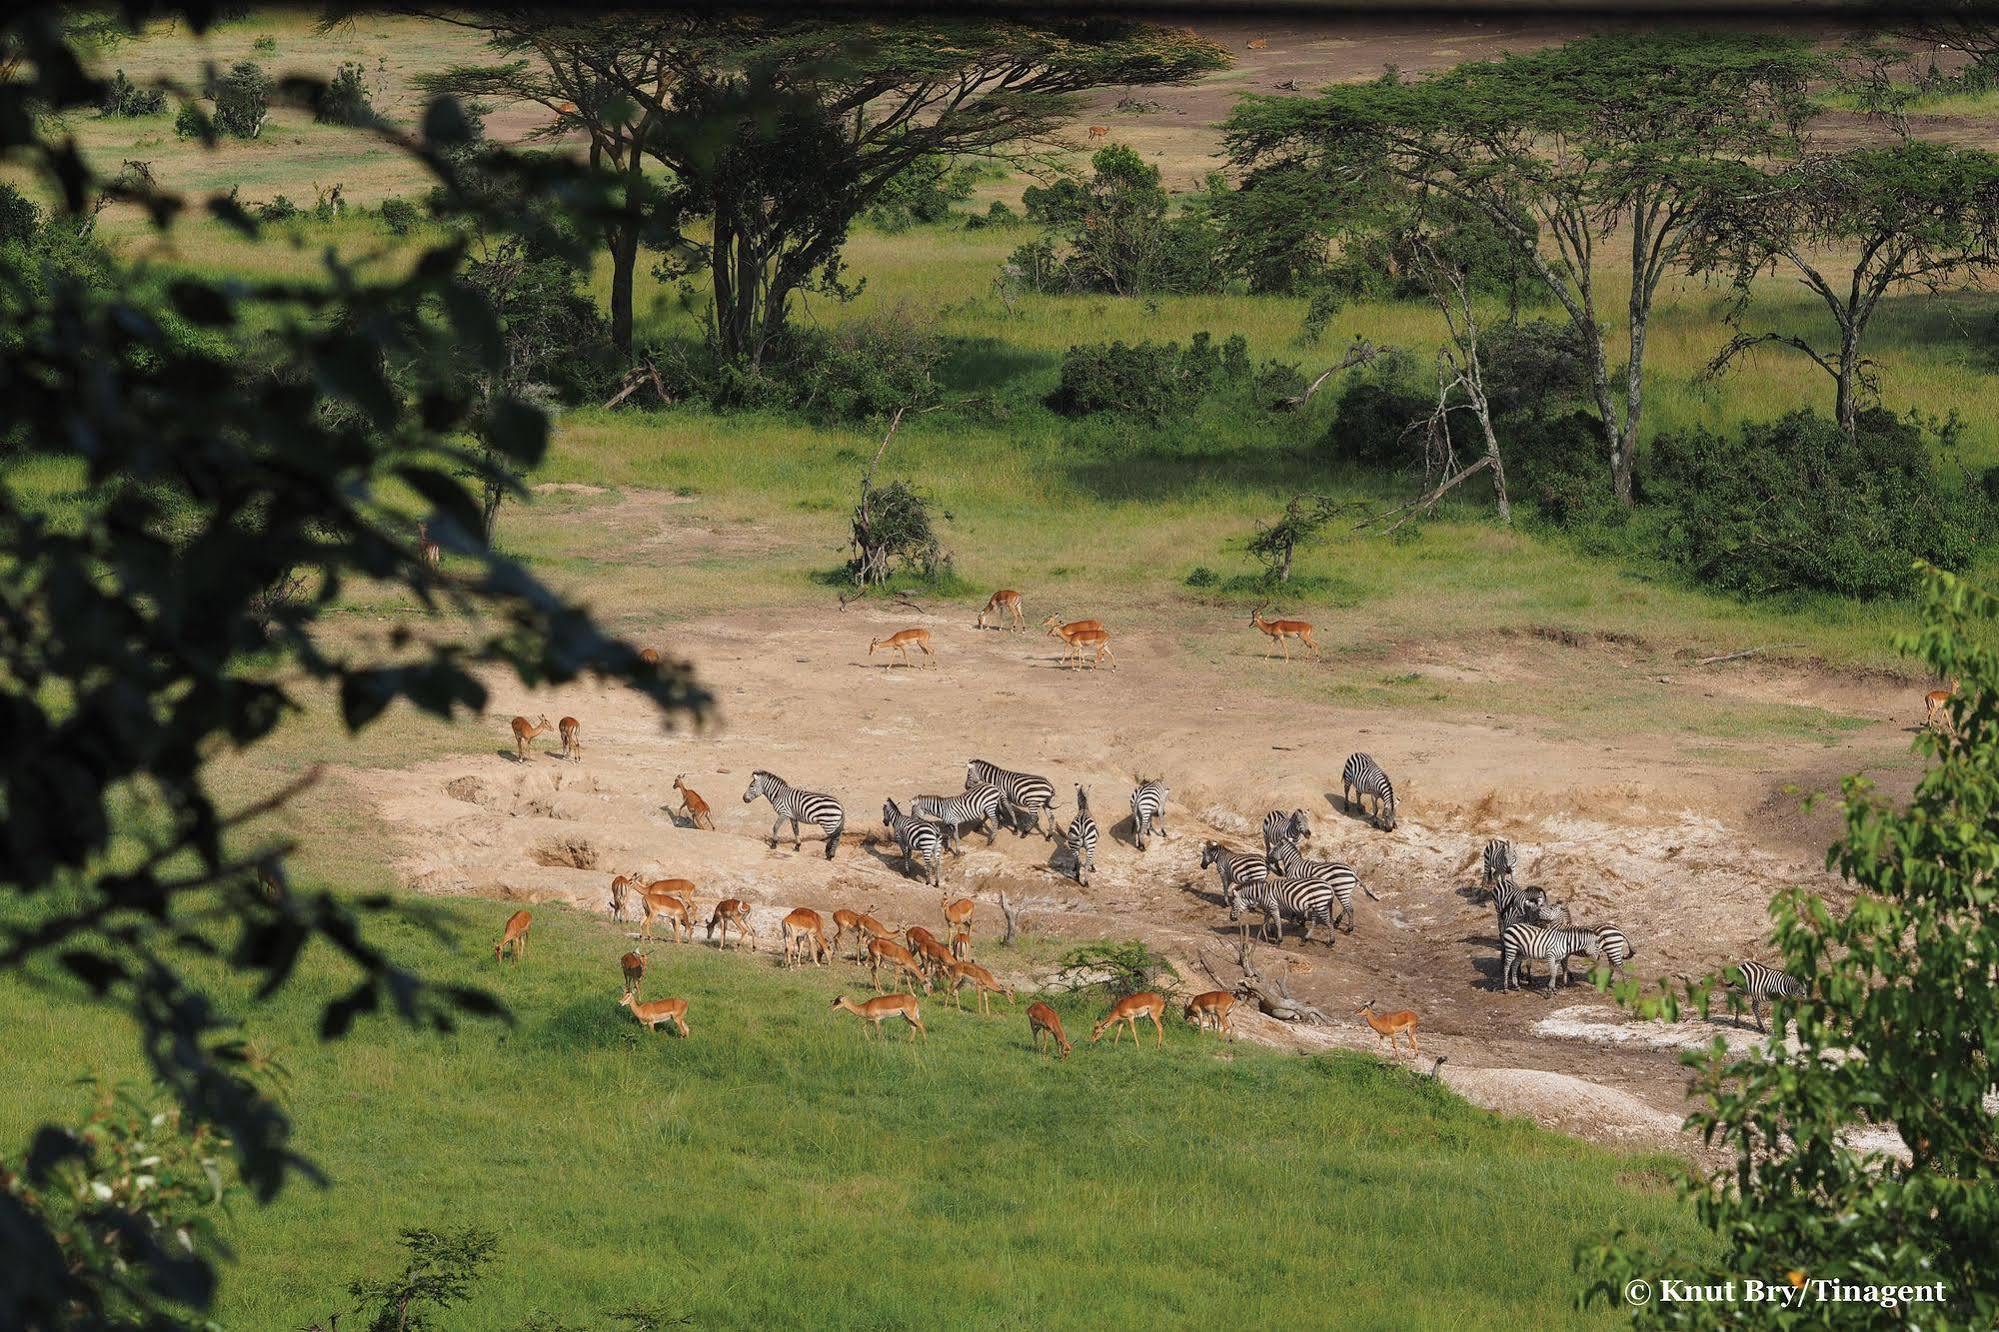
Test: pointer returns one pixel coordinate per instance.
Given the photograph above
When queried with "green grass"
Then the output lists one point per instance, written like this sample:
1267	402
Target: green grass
780	1169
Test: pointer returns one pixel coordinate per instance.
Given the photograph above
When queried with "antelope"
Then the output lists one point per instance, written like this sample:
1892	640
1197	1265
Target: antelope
926	946
1098	132
1259	43
427	550
525	731
887	952
847	922
1278	631
658	1011
961	945
1212	1007
621	889
692	805
634	965
672	898
515	937
1390	1025
983	982
1075	639
873	1011
1002	605
958	914
571	731
805	931
1127	1011
874	928
903	641
1934	704
732	911
1055	623
650	656
1043	1020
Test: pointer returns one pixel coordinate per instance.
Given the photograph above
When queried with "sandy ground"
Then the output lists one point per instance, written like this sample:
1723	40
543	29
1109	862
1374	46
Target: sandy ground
1683	857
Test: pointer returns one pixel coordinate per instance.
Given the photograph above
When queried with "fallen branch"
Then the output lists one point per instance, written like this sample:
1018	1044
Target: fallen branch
1424	503
1360	353
637	378
1746	652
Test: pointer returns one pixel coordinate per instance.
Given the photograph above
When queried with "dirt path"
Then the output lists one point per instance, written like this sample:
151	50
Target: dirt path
1683	856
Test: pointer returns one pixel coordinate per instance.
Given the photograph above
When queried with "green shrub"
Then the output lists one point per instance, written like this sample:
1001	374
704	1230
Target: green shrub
1202	576
242	100
999	215
191	123
265	44
921	192
344	101
1794	505
1153	381
277	209
400	216
867	367
1371	420
122	97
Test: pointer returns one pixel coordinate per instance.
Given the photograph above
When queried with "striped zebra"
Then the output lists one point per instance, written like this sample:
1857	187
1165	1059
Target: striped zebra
1148	807
1021	792
1287	862
1082	838
1239	870
921	841
1614	947
1499	861
1310	899
1281	827
1763	983
978	806
799	807
1522	943
1515	904
1361	780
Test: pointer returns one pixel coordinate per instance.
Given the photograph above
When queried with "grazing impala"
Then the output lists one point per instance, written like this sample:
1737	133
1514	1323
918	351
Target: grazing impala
1002	606
873	928
571	732
888	953
961	945
1076	639
692	805
931	954
671	898
427	550
847	922
634	965
1390	1025
732	911
525	731
1043	1020
515	937
1213	1008
1127	1011
622	887
1280	631
958	914
983	982
658	1011
804	931
902	642
1934	704
873	1011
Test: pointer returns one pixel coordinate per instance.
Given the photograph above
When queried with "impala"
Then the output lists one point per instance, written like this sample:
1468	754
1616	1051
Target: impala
427	550
958	914
1127	1011
658	1011
571	732
961	945
983	982
1212	1008
732	911
515	937
1043	1020
622	886
634	965
873	1011
1003	605
1099	131
889	953
525	731
1934	704
847	922
902	642
930	952
1280	631
1075	638
692	805
805	931
1390	1025
671	898
650	656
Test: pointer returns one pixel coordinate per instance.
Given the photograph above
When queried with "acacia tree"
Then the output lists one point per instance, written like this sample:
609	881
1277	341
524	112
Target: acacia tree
1906	214
1607	140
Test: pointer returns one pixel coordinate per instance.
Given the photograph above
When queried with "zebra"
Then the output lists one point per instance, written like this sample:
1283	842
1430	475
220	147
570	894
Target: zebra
1515	904
978	806
1613	947
1281	827
921	841
1082	838
1499	861
1523	942
1021	792
1310	898
799	807
1362	779
1239	869
1337	875
1148	806
1762	983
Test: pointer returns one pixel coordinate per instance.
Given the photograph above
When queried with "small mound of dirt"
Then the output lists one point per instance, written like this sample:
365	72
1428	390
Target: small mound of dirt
564	853
469	789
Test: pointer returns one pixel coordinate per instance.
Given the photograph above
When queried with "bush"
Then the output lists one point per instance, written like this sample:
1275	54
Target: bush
1119	967
242	100
1556	463
400	216
1371	420
867	367
999	215
122	97
1150	380
1794	505
892	533
1536	367
277	209
921	192
190	123
344	101
1202	576
1120	239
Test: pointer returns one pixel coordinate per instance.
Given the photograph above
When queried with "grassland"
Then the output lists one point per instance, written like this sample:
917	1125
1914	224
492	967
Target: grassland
779	1169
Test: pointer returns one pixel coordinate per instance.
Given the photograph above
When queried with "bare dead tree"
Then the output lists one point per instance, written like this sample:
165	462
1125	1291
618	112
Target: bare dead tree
1359	353
1273	997
1013	908
1460	386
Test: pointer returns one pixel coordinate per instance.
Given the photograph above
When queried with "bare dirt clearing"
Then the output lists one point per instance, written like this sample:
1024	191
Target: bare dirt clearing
1634	833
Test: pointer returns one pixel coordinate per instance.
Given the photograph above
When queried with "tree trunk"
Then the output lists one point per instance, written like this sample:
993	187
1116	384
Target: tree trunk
1844	405
624	267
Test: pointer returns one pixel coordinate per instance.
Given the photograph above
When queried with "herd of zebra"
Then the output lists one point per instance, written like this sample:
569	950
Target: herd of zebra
1282	883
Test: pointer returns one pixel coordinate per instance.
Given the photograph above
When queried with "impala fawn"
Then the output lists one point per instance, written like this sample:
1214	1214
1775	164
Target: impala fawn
902	642
427	550
1280	631
1390	1025
658	1011
805	931
671	898
1003	605
634	965
733	911
525	731
1934	704
1075	638
874	1011
1043	1020
515	937
1214	1008
983	982
888	953
571	732
1127	1011
692	805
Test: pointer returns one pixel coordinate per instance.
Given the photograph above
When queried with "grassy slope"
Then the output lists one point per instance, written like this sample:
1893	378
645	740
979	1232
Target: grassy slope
779	1169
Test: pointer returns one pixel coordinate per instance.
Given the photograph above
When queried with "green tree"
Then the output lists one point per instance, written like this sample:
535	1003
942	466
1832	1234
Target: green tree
1897	1035
1608	139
